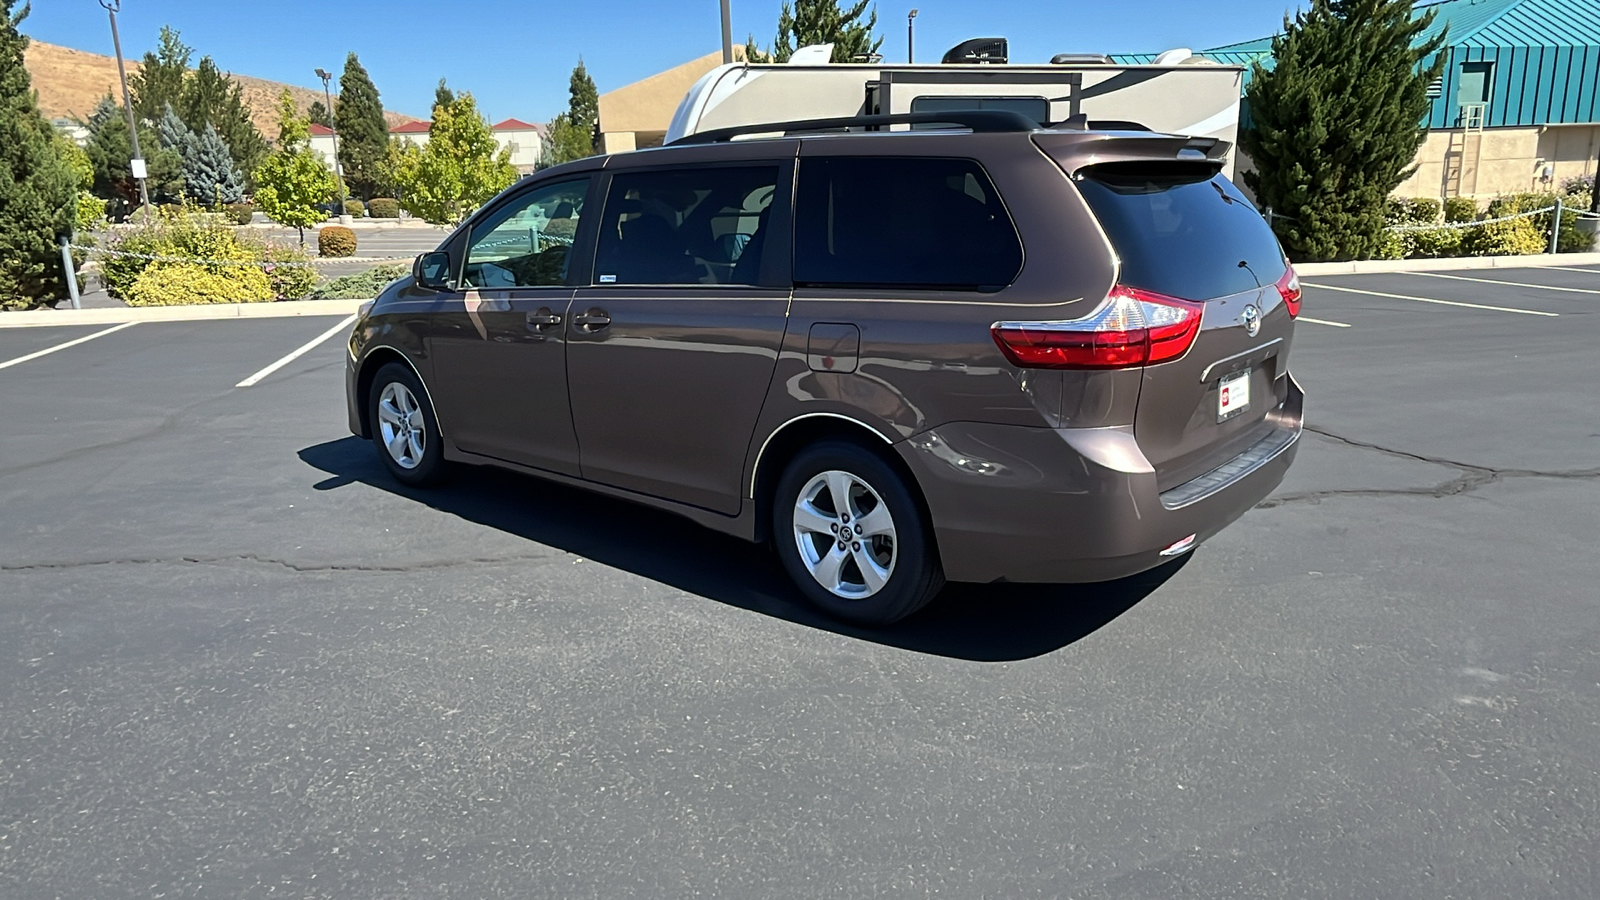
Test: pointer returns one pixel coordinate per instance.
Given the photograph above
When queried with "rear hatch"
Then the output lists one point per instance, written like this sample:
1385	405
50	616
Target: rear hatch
1181	230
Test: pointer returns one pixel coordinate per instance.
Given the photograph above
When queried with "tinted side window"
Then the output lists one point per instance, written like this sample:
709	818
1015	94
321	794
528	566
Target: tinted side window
686	226
1182	230
896	221
526	243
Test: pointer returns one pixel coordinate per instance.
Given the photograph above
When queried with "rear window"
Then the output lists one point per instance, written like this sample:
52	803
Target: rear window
902	222
1182	230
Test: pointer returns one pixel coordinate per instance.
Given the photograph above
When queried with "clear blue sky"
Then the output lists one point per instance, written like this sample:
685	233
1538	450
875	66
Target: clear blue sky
515	55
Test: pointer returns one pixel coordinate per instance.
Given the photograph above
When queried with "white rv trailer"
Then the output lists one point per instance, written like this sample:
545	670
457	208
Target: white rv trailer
1193	97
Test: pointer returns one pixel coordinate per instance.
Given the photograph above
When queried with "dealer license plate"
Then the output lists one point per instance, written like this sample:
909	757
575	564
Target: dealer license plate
1233	395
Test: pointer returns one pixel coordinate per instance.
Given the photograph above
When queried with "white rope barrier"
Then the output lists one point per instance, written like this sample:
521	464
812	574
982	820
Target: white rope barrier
1440	226
264	265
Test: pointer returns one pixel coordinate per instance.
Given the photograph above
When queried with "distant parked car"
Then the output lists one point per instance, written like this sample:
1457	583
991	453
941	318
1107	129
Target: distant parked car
988	351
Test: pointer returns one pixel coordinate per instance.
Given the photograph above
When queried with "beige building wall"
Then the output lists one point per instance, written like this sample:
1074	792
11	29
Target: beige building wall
1455	163
637	115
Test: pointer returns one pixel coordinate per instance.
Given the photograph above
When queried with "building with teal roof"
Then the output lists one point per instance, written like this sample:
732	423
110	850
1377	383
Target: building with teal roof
1518	105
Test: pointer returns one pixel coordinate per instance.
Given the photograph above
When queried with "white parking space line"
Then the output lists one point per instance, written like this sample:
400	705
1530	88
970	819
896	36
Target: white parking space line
49	350
1504	309
1571	269
298	352
1542	287
1322	322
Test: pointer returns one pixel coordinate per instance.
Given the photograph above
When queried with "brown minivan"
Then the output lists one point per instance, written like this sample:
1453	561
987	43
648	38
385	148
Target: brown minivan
978	350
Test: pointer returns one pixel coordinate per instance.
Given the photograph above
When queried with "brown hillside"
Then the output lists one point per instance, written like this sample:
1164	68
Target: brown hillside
70	83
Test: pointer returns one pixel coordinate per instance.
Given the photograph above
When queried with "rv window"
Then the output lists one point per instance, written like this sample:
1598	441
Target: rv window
897	221
1035	108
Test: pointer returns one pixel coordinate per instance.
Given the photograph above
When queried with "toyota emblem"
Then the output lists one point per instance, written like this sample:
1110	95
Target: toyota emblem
1252	320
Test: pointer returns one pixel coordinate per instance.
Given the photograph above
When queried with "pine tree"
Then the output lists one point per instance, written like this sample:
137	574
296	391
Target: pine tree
442	95
212	97
564	142
38	190
159	83
810	22
363	133
319	114
1337	120
294	179
174	134
110	150
209	174
461	167
583	101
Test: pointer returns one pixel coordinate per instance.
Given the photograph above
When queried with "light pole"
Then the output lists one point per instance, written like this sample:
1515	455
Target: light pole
911	37
727	34
327	76
136	165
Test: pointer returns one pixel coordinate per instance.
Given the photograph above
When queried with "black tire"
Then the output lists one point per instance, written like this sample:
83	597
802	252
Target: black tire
417	470
914	575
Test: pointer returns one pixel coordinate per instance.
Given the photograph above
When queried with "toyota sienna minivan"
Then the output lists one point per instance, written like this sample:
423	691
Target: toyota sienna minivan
976	350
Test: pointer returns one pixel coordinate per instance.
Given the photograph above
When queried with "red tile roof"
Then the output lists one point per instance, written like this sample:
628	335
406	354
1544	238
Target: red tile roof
516	125
411	128
320	130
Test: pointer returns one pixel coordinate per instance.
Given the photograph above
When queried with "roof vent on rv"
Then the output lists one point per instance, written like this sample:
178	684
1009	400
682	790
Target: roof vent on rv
814	55
1080	59
1173	57
978	50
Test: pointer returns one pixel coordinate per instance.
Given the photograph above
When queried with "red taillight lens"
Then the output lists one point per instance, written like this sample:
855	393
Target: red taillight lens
1133	328
1289	288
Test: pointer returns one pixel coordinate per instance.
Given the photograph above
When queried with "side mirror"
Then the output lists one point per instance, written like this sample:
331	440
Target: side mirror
432	270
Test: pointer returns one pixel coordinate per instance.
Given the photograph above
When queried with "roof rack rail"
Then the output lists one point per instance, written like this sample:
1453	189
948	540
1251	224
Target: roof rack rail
977	120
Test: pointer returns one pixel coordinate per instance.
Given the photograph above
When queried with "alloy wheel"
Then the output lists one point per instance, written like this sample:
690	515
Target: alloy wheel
401	426
845	534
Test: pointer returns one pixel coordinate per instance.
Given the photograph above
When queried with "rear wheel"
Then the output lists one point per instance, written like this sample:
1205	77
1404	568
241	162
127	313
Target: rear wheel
404	427
851	536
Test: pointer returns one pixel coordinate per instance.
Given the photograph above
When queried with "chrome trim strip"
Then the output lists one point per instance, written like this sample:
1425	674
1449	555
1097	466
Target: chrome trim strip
1205	376
756	467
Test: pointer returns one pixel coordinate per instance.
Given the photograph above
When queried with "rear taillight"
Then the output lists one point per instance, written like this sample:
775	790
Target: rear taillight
1133	328
1289	288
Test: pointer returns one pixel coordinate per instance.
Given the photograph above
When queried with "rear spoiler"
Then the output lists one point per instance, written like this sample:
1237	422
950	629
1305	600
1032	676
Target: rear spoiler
1075	150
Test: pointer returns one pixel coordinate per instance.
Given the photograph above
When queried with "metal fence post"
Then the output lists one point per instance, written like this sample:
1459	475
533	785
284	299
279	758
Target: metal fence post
1555	227
72	275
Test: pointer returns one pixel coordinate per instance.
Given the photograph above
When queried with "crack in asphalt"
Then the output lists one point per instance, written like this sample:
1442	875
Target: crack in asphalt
284	563
1471	478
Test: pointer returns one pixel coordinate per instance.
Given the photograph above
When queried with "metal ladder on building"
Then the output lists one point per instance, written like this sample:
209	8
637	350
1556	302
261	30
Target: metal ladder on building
1468	155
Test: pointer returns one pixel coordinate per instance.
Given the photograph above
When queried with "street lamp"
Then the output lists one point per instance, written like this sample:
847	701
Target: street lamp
136	165
727	34
327	76
911	37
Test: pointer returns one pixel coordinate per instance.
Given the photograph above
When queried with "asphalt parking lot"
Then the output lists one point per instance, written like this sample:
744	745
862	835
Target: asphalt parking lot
237	660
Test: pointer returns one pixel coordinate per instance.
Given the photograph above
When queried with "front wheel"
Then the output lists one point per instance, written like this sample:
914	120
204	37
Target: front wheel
852	537
404	427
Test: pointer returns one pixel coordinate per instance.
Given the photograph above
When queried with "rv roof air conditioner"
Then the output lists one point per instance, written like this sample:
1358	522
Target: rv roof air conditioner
1080	59
813	55
994	51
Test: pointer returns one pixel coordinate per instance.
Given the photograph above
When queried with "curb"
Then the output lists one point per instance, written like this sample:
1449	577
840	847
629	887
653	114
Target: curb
1370	266
278	310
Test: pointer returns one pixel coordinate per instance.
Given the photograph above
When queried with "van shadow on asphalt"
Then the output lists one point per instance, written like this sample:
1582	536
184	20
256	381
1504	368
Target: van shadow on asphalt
987	623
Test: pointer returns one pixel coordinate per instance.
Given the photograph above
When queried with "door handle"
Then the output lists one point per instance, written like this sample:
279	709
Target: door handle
592	321
543	320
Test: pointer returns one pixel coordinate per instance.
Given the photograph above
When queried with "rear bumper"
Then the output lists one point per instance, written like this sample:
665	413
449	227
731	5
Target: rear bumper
1073	505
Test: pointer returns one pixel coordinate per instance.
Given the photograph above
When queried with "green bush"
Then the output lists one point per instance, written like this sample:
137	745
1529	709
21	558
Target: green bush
355	208
1460	209
289	282
336	240
240	213
1516	237
209	241
1434	242
171	284
383	208
90	213
362	285
1412	210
